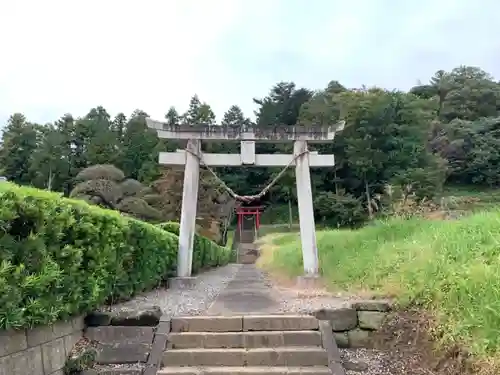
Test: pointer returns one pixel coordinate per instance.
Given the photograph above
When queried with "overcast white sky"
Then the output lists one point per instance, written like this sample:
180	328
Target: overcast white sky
60	56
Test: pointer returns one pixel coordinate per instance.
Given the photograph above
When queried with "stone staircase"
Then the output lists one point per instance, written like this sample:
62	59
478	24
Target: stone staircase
250	345
247	236
247	253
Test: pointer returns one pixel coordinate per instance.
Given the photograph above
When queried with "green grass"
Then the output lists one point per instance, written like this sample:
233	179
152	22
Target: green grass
277	228
451	268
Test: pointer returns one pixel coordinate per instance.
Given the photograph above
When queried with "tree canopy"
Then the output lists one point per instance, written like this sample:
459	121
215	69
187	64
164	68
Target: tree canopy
445	130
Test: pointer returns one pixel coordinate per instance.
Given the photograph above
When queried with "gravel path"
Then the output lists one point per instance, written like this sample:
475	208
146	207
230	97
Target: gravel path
210	284
186	302
374	362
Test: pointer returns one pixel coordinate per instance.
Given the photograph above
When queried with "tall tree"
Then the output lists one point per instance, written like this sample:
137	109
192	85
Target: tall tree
191	116
206	116
138	145
51	162
324	108
172	117
282	105
117	126
198	113
102	141
234	117
472	94
20	141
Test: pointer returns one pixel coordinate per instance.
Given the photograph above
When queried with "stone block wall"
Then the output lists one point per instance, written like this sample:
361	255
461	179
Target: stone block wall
353	325
39	351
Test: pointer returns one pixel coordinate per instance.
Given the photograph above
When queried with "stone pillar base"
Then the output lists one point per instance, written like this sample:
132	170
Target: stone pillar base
308	282
182	282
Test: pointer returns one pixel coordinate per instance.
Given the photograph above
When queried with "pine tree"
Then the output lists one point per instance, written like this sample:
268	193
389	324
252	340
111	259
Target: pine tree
20	141
234	117
172	117
139	144
191	116
51	162
206	116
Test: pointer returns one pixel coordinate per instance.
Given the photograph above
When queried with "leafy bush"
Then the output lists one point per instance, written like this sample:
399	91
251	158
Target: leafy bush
338	210
106	186
63	257
139	208
206	253
171	227
101	172
131	187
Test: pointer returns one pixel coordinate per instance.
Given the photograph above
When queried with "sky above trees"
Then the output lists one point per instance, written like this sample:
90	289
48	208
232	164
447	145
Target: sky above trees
60	56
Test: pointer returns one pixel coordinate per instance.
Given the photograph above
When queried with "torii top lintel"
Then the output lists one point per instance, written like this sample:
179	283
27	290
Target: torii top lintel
275	134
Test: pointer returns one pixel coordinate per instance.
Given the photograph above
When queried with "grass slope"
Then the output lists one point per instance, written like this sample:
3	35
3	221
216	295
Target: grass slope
451	268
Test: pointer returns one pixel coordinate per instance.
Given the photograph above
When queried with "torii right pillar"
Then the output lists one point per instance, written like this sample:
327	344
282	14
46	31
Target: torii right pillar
306	212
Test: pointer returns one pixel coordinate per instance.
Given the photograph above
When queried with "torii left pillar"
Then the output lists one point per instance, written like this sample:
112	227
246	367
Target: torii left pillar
188	216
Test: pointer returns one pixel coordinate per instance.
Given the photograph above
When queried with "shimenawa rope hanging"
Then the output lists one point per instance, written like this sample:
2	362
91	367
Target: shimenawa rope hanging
246	198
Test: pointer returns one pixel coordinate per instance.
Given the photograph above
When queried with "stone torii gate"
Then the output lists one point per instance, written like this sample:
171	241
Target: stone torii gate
192	157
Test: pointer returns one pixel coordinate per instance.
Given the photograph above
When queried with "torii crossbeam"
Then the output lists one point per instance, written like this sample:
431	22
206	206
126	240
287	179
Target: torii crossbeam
302	159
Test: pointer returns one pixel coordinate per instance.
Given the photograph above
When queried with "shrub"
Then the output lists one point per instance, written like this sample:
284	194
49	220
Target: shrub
171	227
107	190
206	253
100	172
131	187
139	208
105	185
62	257
338	210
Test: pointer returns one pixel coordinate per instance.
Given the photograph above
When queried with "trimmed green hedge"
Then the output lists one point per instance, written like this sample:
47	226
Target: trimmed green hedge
206	253
61	257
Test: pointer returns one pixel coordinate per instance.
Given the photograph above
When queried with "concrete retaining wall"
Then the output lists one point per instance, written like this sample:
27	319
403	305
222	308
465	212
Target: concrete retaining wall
39	351
352	326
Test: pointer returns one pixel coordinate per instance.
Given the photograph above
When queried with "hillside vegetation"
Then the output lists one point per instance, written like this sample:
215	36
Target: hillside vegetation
451	268
439	132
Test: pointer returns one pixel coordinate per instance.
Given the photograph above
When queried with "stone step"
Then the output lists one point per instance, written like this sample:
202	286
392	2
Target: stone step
248	255
278	356
117	334
244	323
249	339
122	353
245	370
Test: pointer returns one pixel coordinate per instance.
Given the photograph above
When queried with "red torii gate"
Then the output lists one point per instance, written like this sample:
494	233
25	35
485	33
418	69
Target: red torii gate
255	211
